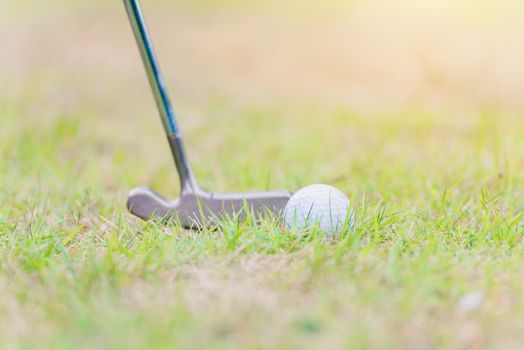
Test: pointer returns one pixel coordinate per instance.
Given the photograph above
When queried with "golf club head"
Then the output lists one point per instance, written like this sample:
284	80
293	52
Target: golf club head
200	210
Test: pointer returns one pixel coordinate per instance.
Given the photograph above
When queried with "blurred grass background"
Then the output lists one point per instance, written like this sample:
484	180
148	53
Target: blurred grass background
242	73
414	109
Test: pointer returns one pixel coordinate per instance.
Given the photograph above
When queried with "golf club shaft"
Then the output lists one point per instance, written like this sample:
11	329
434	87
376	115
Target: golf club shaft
188	184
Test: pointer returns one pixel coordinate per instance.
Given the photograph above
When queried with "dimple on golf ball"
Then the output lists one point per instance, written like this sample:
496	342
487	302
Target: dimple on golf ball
322	206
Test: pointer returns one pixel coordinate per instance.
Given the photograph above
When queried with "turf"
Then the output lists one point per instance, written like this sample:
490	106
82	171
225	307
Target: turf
427	146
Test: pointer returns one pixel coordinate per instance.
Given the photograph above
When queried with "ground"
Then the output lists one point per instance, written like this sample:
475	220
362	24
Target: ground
414	110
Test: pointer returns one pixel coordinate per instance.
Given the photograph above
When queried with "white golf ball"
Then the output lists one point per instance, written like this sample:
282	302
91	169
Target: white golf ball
322	206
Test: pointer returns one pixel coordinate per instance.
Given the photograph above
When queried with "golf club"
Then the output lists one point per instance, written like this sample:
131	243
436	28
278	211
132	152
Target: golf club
195	208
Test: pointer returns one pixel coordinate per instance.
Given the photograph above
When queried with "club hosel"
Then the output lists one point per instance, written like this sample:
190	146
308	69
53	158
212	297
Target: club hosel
187	181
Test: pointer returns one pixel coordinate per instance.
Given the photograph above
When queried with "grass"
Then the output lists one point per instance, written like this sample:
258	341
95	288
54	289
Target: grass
433	167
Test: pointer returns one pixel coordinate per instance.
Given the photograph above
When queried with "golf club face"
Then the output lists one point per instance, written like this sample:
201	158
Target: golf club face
200	210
